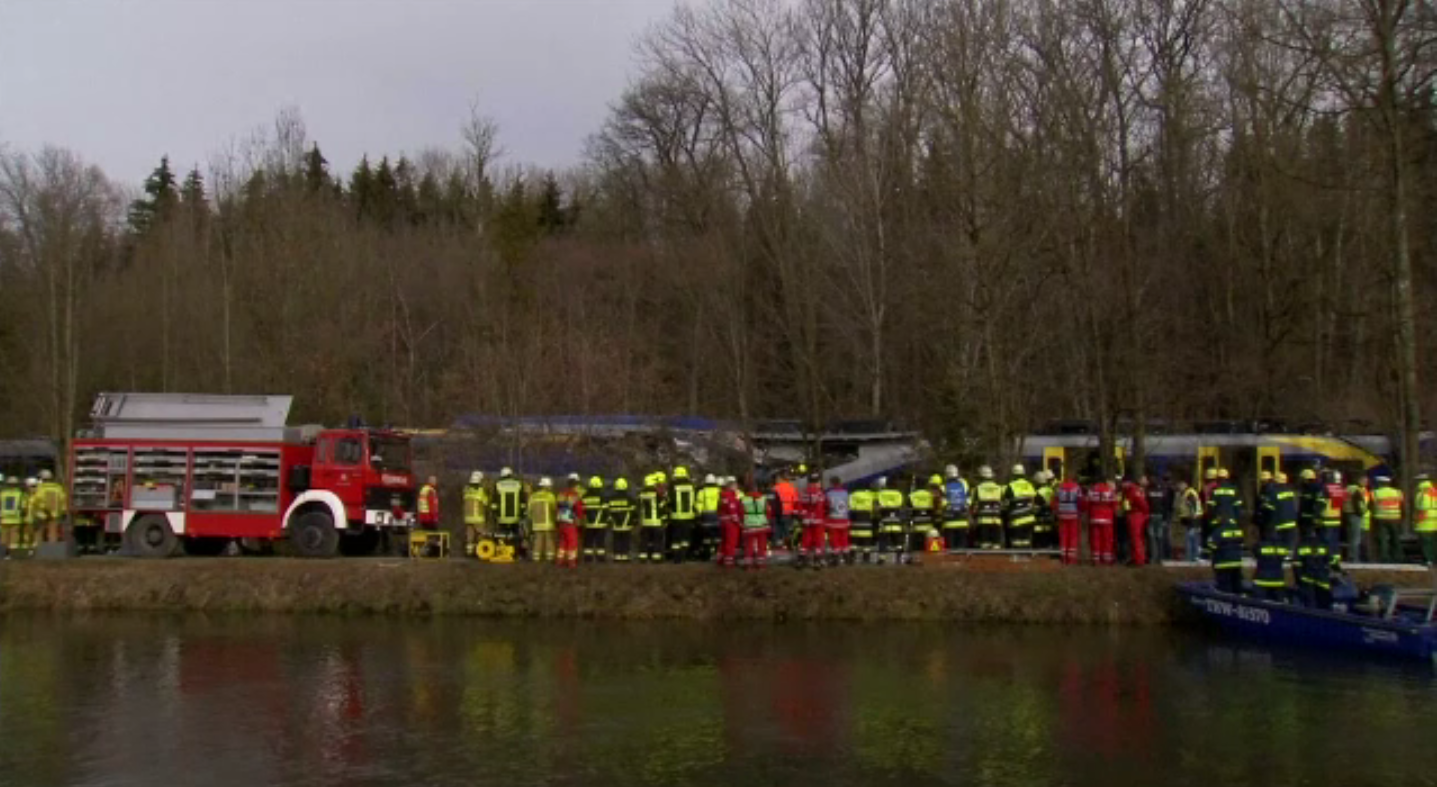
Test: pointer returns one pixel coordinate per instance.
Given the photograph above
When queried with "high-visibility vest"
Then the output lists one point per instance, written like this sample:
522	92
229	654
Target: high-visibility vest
426	497
511	496
12	506
543	507
1388	502
48	502
956	494
890	503
920	505
1020	513
594	508
709	499
684	497
1367	512
650	511
476	505
989	508
566	510
1333	496
860	507
620	510
1425	517
837	505
787	497
755	512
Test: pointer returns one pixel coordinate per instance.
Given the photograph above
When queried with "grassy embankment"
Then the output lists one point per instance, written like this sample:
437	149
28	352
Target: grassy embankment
961	592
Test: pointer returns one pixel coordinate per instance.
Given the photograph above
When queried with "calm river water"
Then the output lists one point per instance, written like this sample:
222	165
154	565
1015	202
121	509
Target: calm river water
296	701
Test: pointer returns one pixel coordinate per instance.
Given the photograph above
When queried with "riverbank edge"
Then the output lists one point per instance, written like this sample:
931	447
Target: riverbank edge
1071	596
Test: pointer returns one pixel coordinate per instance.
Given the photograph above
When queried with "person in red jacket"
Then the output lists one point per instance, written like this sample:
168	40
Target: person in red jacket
1068	505
730	522
570	513
1135	500
813	508
1102	509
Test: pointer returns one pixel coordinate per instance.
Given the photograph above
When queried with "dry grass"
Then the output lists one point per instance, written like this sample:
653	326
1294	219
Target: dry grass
973	593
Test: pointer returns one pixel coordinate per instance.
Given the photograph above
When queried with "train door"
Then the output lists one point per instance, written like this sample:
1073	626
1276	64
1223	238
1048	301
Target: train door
1207	457
1269	459
1054	459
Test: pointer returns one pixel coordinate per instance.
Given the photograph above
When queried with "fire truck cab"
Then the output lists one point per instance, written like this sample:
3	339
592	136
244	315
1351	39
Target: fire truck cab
166	471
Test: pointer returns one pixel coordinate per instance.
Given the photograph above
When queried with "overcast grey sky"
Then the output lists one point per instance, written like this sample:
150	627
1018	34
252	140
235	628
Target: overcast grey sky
123	81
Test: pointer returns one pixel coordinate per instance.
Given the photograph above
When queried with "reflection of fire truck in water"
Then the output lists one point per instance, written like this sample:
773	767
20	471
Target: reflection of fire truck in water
163	471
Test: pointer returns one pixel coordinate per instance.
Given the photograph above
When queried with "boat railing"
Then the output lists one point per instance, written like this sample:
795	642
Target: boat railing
1414	598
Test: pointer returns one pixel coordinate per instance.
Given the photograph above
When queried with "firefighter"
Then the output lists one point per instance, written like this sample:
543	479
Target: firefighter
1270	577
836	522
1135	500
1019	509
706	541
955	510
1101	505
651	522
543	514
429	504
595	522
860	523
683	513
1317	563
476	511
619	514
1044	536
812	503
757	514
48	507
1424	518
988	510
1333	496
890	519
1387	502
730	512
12	513
1355	518
1262	513
28	535
510	506
922	502
1282	512
1226	541
1068	504
569	514
1309	503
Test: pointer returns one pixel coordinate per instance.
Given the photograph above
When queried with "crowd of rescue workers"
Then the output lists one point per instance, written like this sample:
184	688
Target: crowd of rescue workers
676	517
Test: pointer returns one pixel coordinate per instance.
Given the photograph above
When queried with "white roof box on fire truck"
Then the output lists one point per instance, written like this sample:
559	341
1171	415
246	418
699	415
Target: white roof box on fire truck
174	416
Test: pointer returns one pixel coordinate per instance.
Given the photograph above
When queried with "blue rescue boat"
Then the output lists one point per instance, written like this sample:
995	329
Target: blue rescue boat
1392	622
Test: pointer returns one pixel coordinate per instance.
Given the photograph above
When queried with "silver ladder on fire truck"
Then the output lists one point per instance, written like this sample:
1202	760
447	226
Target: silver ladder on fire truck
165	471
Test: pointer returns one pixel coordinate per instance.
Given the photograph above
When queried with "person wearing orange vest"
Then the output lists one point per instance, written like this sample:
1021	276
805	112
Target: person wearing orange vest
429	504
1387	503
1424	518
787	508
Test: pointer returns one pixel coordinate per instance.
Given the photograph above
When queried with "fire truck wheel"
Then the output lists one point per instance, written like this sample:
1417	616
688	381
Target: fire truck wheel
150	536
312	534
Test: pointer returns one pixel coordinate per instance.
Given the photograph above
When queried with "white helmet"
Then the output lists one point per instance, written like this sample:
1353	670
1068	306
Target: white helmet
730	481
951	471
985	472
574	477
505	473
710	480
1041	476
1019	469
545	482
32	481
476	478
46	475
882	482
1336	476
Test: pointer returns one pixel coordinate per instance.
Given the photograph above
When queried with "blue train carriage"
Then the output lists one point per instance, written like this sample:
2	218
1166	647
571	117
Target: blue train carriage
1187	456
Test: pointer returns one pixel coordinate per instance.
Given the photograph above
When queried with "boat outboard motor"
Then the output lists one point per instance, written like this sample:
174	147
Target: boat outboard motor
1344	593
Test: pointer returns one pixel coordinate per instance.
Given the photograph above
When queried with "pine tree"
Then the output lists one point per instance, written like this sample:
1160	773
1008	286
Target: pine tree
316	170
385	197
406	197
192	193
159	200
551	207
361	189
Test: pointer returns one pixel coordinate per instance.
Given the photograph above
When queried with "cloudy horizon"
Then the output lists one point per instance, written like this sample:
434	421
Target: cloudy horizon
124	82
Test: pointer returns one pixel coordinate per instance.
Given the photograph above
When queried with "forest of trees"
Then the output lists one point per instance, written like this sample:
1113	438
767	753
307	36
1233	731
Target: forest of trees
971	216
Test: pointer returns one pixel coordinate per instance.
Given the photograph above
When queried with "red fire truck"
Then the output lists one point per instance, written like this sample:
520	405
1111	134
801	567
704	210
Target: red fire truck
165	471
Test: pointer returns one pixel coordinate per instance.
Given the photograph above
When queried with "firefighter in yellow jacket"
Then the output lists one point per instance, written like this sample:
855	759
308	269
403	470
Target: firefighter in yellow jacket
47	507
476	511
12	513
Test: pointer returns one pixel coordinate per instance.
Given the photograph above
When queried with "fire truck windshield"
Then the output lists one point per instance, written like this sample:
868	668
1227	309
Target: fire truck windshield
389	453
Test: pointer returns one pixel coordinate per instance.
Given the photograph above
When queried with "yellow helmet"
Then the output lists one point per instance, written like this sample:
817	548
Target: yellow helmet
1308	474
1211	474
621	483
681	472
935	480
1222	473
1281	477
596	483
1265	475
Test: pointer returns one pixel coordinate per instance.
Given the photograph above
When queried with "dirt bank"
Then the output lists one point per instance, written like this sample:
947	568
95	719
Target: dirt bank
966	593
